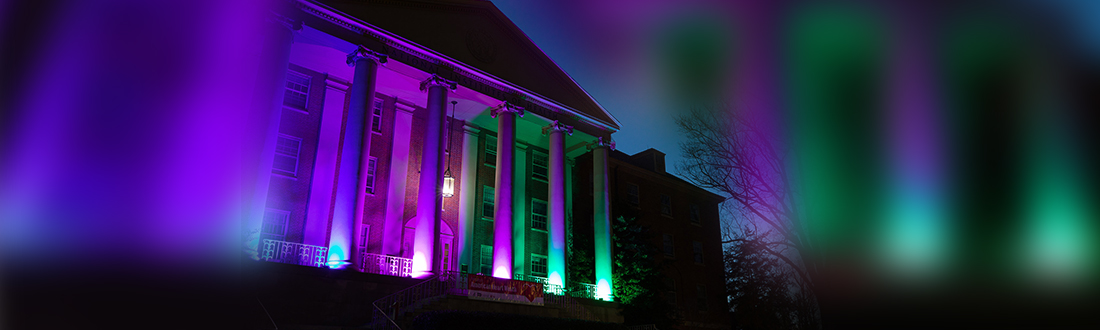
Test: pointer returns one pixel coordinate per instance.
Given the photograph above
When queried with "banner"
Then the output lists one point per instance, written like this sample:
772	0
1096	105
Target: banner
499	289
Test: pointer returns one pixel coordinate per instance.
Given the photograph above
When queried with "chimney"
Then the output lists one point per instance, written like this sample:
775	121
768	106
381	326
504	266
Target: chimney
650	159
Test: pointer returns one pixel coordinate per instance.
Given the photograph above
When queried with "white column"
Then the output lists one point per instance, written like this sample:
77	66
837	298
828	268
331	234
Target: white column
269	104
519	217
467	196
602	220
429	200
503	211
347	214
325	165
556	200
399	172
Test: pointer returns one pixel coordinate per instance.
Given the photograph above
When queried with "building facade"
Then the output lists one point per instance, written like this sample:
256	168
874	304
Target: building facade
682	222
417	138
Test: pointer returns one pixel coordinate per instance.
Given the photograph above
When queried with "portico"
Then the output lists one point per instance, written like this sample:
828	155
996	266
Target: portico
387	131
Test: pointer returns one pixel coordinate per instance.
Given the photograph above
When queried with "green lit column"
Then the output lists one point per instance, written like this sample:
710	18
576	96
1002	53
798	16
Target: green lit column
601	221
556	258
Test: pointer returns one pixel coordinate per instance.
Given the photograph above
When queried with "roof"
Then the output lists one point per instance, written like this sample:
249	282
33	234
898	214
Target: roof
478	34
629	160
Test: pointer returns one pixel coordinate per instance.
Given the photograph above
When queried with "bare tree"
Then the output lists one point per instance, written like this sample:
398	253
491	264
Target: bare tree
741	156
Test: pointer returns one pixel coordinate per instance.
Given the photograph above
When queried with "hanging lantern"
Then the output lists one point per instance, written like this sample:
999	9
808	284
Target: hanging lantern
448	185
448	179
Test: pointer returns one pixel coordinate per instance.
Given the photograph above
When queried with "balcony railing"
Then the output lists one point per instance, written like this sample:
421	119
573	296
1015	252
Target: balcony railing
582	290
385	265
294	253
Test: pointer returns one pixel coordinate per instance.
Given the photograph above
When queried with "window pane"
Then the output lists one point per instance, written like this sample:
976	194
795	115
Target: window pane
540	163
666	204
372	168
376	119
275	222
538	214
286	155
297	90
668	245
486	259
538	265
694	213
632	193
491	150
697	251
487	202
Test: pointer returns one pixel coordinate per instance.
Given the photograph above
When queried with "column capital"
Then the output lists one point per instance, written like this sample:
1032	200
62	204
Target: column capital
506	107
600	143
436	80
364	53
557	126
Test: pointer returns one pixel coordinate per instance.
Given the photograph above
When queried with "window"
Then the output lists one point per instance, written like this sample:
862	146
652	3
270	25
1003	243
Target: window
491	150
363	235
274	225
486	260
701	297
540	162
695	214
697	252
487	202
666	204
372	169
632	193
297	90
286	155
538	265
538	214
668	246
376	119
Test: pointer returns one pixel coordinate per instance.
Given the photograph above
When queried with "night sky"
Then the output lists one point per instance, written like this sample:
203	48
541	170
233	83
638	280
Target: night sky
624	53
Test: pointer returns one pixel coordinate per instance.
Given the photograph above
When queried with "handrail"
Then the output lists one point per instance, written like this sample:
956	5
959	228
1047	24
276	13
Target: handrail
412	290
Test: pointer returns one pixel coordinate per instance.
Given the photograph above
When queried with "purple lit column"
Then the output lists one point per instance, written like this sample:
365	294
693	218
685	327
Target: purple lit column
601	220
354	153
429	201
505	113
269	104
556	258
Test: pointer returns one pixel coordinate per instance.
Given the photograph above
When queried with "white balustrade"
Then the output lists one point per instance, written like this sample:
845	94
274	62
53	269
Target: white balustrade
294	253
385	265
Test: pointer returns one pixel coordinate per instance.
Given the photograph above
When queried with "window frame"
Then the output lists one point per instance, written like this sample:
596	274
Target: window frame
490	150
633	197
666	204
285	224
372	174
697	252
668	245
297	156
535	165
694	215
377	110
491	202
481	260
545	217
305	94
545	265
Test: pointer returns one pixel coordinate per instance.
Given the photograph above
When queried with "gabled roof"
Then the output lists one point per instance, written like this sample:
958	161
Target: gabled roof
478	34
